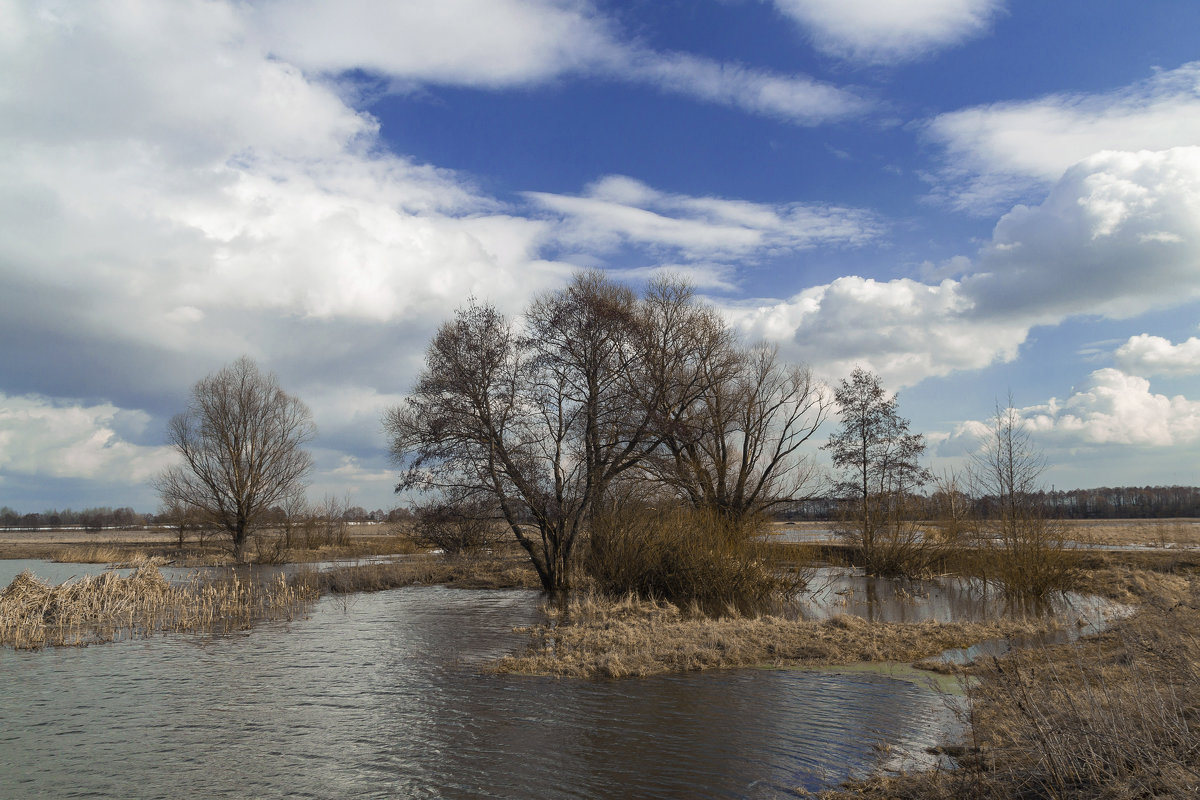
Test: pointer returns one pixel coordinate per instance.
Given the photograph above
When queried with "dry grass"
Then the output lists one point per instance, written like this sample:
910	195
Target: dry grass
1114	716
1144	532
593	637
462	572
266	550
106	607
684	555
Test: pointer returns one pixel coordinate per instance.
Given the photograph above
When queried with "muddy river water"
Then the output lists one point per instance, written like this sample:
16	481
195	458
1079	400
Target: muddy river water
383	695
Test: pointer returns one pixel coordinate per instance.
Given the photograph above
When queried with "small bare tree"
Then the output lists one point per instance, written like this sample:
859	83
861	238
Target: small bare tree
241	442
181	518
879	460
1026	543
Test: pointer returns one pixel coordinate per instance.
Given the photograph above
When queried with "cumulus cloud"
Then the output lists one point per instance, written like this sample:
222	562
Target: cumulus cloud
1118	235
1148	355
1109	408
902	329
41	437
879	31
1004	151
618	209
505	43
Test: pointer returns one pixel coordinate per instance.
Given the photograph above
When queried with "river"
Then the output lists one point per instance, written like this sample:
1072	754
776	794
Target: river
383	695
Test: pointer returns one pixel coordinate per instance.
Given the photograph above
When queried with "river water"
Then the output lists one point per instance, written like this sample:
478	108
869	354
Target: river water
383	695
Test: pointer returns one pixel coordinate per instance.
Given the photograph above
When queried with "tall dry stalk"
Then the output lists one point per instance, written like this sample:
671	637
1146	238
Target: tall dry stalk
106	607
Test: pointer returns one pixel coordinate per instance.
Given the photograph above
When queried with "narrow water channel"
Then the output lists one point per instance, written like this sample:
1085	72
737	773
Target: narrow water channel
382	695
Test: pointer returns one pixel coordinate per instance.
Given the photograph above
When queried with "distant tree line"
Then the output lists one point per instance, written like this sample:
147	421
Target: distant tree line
89	518
1116	502
105	517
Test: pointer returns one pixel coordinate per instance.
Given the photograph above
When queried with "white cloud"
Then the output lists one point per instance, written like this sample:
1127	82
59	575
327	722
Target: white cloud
1147	355
1001	152
1114	408
1109	408
505	43
476	42
43	438
902	329
880	31
1117	236
795	98
618	209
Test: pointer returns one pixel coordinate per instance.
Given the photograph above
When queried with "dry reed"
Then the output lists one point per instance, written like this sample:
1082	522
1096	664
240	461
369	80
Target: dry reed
107	607
596	637
1115	716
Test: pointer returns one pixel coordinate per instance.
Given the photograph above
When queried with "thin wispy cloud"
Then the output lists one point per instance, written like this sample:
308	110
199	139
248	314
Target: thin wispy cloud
879	31
1000	153
618	209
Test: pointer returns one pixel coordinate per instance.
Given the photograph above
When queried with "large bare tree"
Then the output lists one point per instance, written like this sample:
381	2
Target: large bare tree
546	415
541	419
736	447
241	442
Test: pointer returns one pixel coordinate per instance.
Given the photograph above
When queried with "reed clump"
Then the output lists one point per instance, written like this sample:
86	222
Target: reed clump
595	636
107	607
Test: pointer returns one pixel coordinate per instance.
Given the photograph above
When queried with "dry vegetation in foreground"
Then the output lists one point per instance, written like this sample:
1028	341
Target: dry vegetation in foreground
595	637
1113	716
106	607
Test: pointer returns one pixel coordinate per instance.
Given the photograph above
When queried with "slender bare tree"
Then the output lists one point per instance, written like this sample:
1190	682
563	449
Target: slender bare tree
1028	542
241	441
879	461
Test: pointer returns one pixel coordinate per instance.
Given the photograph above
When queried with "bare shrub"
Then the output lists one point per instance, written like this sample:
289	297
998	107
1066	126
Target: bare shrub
462	526
897	543
686	555
1021	545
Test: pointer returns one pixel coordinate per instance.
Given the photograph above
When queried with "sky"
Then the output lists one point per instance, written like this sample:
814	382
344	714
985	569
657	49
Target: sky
976	199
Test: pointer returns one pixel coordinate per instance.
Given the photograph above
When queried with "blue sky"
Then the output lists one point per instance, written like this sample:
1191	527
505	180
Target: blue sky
971	197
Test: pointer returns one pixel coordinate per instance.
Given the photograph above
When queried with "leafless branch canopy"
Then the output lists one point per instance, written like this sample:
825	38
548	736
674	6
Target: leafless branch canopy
241	441
593	385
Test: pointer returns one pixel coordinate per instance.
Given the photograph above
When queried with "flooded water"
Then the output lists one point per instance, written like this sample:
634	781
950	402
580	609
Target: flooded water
837	590
383	695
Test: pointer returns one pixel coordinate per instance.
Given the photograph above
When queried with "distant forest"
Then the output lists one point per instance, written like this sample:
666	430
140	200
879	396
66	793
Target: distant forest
103	518
1119	502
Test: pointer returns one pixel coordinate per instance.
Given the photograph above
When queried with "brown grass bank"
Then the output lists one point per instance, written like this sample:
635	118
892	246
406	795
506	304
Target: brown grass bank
461	572
215	553
123	546
1116	715
594	637
107	607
